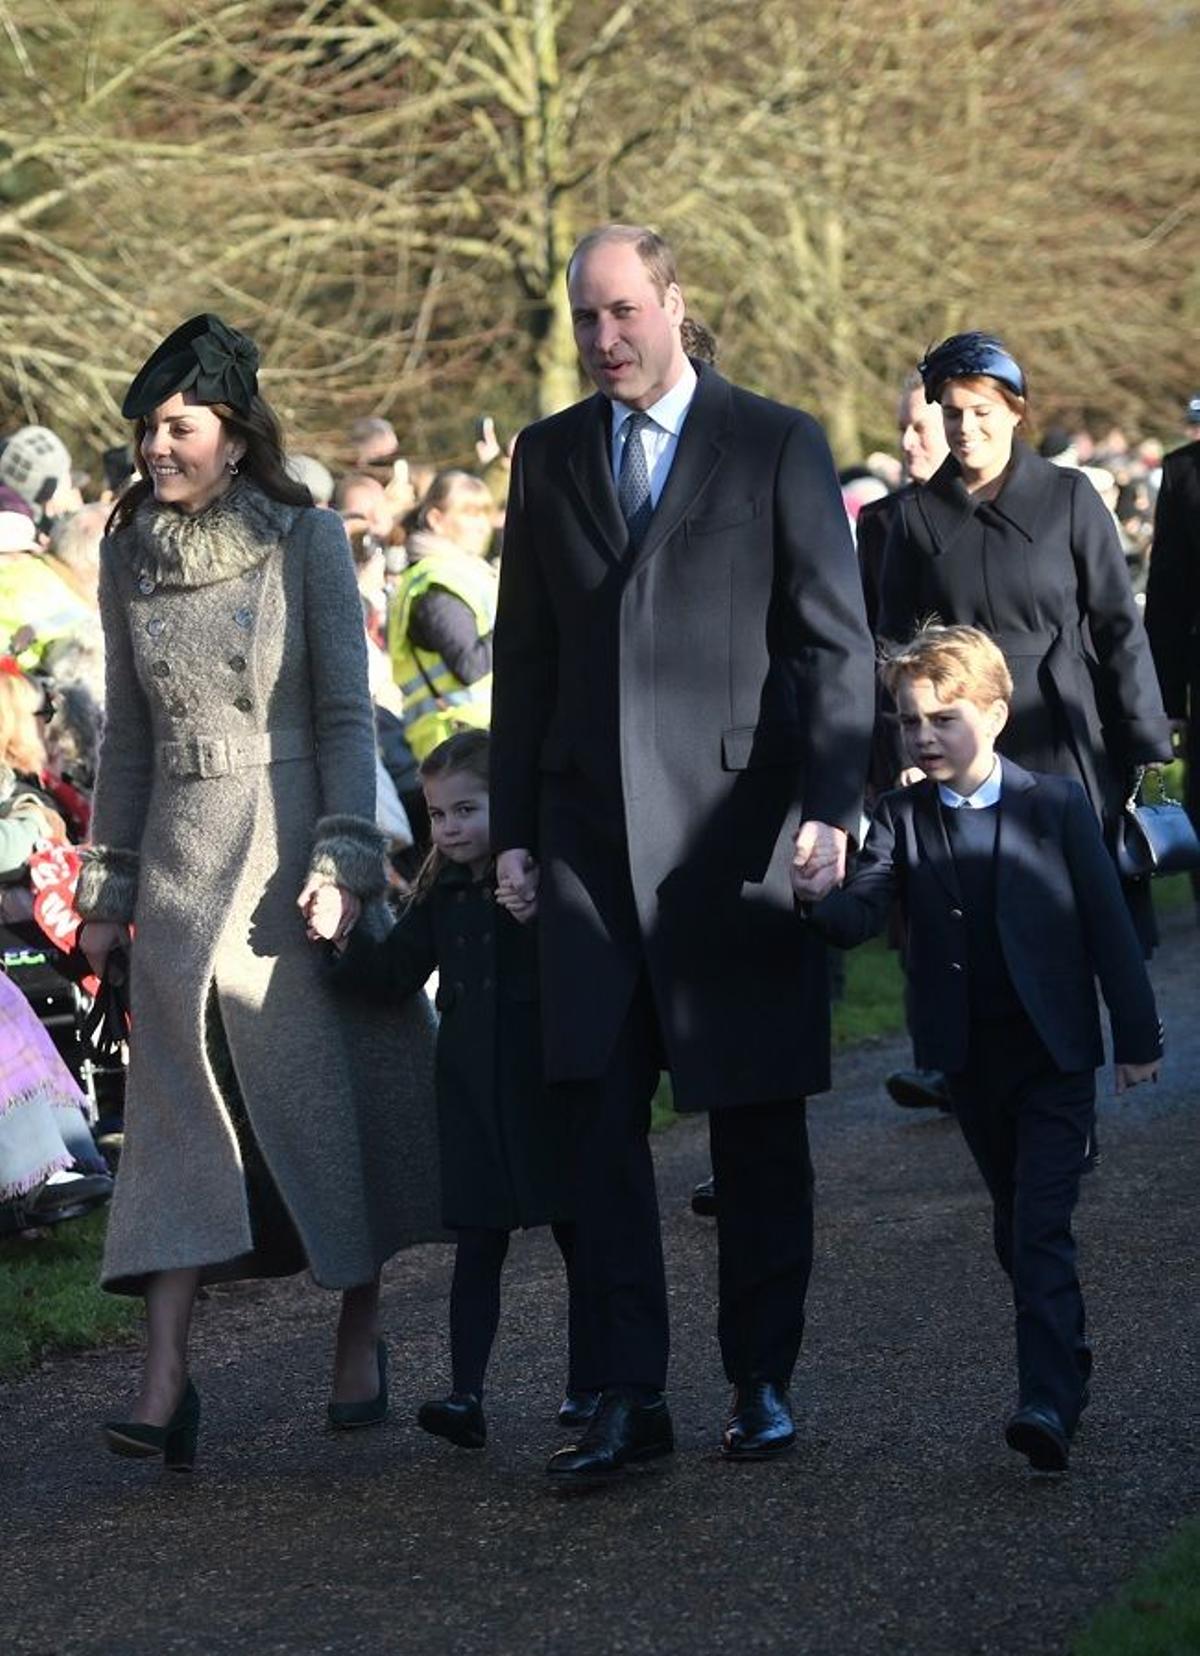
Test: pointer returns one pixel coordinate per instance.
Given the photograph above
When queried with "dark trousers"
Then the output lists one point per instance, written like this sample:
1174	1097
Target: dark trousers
1027	1124
475	1300
763	1176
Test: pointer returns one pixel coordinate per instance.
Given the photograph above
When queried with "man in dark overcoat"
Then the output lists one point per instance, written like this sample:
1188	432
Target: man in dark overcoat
683	706
1173	604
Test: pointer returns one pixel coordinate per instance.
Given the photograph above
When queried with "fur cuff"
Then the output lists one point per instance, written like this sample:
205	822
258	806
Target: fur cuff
108	883
349	851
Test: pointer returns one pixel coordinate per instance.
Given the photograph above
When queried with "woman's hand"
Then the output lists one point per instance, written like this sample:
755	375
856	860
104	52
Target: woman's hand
98	938
330	911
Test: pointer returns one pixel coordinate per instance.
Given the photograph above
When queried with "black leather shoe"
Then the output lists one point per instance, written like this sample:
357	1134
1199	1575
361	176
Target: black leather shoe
704	1198
760	1422
624	1431
918	1089
1038	1433
458	1418
577	1408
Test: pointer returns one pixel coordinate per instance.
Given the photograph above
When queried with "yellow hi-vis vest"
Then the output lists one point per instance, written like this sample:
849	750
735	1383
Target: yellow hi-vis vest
436	702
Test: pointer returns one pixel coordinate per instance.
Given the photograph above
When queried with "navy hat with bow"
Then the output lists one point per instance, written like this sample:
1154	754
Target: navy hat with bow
965	355
204	356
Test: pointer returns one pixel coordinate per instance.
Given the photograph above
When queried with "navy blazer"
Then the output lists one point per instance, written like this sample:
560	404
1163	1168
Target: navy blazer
1060	912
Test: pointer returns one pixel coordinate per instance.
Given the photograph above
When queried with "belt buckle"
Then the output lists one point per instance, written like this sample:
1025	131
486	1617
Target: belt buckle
211	756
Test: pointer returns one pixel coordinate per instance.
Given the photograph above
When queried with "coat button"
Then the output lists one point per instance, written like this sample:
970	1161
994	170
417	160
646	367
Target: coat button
487	983
238	663
244	704
460	988
156	626
486	938
956	914
179	710
161	669
244	617
956	965
145	585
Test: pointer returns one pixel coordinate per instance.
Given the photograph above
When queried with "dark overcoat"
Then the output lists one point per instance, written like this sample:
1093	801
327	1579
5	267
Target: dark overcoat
502	1141
1040	568
1173	600
1060	916
663	720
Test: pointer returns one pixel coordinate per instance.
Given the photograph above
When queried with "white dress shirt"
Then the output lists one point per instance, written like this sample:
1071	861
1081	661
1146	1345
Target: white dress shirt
987	793
661	439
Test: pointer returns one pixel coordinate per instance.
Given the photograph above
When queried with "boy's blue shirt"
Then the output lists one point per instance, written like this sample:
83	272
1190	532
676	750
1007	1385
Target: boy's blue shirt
1060	913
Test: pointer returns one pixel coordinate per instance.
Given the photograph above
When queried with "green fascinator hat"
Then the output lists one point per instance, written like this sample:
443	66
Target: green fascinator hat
216	363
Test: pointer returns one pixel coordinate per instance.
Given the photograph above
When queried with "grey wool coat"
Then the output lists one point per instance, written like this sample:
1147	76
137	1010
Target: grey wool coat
238	755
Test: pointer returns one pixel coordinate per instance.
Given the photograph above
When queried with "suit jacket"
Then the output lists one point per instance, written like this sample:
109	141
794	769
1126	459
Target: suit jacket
1173	592
1060	913
661	723
1040	568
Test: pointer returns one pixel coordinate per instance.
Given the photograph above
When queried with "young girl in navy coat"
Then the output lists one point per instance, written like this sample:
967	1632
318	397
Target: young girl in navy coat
1013	909
501	1139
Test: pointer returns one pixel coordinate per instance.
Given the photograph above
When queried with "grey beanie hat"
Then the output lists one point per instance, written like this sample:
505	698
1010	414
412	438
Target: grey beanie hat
35	463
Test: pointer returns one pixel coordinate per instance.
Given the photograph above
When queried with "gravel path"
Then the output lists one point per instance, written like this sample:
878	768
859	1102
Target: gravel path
902	1524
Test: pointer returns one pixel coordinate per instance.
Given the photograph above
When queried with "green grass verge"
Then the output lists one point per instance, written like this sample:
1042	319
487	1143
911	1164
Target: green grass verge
49	1299
1158	1612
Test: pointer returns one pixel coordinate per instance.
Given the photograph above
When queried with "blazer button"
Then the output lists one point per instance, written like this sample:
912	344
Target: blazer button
244	704
956	966
956	914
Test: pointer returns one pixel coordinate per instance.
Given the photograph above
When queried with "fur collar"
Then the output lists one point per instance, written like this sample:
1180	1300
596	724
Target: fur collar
235	533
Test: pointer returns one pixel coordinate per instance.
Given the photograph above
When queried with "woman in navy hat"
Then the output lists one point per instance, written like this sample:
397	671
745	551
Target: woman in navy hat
235	804
999	538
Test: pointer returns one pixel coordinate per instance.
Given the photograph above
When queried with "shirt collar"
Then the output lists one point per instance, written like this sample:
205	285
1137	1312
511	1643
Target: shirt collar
670	411
987	793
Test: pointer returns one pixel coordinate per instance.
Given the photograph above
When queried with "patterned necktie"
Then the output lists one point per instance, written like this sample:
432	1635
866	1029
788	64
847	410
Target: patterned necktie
633	484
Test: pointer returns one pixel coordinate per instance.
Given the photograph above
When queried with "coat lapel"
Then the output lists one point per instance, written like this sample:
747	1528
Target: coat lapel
590	465
933	839
1013	825
702	443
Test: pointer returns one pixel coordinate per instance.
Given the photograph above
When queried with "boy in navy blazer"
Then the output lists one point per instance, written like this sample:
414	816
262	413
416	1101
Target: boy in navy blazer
1013	909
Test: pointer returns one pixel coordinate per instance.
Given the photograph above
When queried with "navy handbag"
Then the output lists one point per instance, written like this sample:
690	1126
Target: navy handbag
1155	839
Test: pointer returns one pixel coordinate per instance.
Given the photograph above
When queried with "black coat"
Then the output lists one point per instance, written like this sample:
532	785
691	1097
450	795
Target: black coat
1173	595
501	1139
1040	568
1060	914
661	723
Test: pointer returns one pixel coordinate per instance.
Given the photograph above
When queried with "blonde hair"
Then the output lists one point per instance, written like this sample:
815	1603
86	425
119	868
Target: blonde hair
466	753
962	663
21	744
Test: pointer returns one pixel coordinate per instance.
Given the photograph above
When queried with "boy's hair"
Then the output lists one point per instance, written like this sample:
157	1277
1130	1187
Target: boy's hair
467	753
962	663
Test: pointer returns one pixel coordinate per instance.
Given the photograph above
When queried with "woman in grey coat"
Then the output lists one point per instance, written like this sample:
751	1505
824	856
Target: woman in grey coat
235	800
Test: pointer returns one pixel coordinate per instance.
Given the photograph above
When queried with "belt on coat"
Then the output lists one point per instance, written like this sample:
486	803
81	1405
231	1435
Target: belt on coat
208	756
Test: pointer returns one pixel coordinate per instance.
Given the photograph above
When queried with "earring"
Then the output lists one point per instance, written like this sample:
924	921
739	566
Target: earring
233	471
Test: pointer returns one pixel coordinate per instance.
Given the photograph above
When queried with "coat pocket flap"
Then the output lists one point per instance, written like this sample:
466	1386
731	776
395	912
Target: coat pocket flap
712	523
745	747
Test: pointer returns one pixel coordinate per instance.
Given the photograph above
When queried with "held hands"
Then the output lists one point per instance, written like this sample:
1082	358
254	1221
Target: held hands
1131	1075
330	911
98	938
517	876
909	775
819	865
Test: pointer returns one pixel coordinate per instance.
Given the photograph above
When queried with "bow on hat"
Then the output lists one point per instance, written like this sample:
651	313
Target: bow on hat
964	355
204	356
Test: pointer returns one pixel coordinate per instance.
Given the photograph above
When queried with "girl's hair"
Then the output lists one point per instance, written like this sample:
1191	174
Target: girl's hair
436	496
466	753
21	744
264	461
